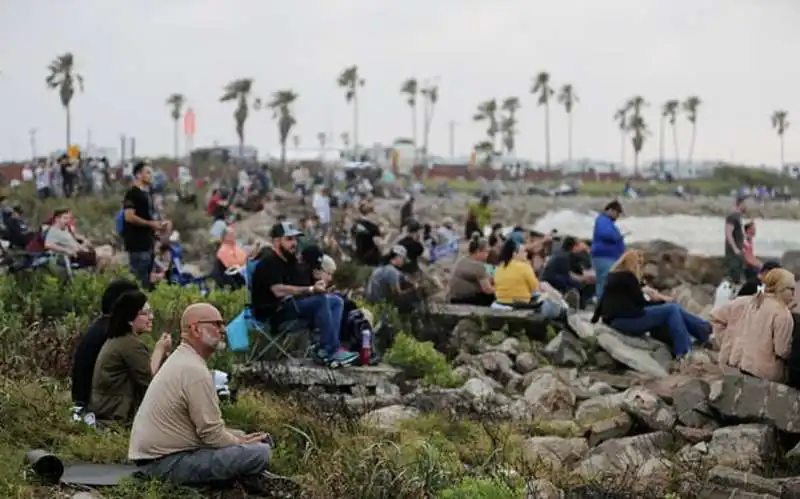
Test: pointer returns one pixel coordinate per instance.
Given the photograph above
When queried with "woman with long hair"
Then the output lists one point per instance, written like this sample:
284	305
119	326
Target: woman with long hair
516	284
470	282
633	310
755	332
125	366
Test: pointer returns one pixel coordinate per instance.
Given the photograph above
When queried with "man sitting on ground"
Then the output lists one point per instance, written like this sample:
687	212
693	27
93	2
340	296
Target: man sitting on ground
388	283
178	434
277	277
60	240
565	272
412	242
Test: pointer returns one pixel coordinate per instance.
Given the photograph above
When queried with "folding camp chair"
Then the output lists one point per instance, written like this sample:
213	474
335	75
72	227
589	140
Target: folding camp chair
177	275
267	337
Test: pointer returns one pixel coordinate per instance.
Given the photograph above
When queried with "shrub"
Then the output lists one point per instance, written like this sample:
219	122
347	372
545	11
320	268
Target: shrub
421	360
482	488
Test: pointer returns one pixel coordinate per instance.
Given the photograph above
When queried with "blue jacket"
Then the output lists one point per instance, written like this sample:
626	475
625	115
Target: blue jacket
607	240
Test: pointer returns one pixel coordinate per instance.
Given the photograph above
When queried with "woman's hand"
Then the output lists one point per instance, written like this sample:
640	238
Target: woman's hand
164	343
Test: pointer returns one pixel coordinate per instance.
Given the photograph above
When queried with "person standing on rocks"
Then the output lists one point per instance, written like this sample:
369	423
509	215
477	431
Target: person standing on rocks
608	244
140	226
734	242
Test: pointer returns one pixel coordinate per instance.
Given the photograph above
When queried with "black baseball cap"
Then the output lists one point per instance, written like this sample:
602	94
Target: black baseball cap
284	229
614	205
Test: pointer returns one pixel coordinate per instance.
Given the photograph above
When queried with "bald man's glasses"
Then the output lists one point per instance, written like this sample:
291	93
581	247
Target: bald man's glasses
217	324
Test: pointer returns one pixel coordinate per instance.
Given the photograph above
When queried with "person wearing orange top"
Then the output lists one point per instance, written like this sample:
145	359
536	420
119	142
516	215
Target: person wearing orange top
230	254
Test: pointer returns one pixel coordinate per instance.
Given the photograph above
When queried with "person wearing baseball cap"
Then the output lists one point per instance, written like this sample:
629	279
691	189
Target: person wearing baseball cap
386	282
278	276
608	243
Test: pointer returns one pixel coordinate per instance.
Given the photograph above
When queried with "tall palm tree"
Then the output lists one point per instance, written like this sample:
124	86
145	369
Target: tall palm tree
345	137
690	106
568	98
410	89
430	96
669	112
322	138
240	91
281	106
541	86
637	127
62	75
175	103
780	122
508	123
350	80
487	112
621	117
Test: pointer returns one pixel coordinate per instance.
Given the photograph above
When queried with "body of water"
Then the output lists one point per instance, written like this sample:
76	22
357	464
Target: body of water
700	235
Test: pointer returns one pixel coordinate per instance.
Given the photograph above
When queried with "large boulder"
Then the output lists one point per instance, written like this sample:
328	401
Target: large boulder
745	398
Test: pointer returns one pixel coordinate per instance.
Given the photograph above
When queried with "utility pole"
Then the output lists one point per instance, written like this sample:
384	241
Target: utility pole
32	134
452	139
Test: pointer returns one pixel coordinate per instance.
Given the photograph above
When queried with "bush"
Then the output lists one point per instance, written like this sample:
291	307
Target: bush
482	488
421	360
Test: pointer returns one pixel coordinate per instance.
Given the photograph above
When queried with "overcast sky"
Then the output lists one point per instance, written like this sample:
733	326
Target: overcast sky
738	56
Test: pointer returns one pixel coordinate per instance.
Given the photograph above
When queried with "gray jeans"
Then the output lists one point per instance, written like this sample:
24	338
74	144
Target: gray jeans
207	466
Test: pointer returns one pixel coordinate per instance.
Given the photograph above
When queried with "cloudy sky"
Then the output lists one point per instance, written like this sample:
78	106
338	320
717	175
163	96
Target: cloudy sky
738	56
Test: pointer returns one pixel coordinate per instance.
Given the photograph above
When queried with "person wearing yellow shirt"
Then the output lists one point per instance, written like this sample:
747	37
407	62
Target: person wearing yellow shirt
515	283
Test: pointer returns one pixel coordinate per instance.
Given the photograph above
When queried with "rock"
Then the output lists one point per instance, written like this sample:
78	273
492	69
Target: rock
497	365
638	359
581	326
691	404
554	452
747	447
694	435
84	495
563	428
466	336
599	408
791	261
478	388
656	472
509	346
533	324
616	426
542	489
566	350
526	362
624	455
746	398
748	482
389	418
647	407
550	395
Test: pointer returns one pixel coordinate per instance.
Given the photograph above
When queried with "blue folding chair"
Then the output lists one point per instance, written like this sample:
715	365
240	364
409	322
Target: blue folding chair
177	275
267	340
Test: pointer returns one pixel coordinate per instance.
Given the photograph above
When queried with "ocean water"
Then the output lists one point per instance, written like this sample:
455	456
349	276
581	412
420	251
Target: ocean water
700	235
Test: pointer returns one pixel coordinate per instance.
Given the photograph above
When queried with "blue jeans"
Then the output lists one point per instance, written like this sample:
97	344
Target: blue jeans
601	267
682	325
141	264
324	311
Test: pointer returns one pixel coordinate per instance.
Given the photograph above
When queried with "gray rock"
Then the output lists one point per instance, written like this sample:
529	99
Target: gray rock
526	362
581	326
466	336
647	407
748	482
389	418
617	426
752	399
566	350
635	355
599	408
624	455
542	489
498	365
509	346
747	447
550	395
690	401
554	452
478	388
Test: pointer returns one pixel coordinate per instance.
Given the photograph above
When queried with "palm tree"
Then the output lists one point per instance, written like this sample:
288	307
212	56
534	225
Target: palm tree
568	98
669	112
508	123
345	137
350	80
487	111
637	127
239	91
541	86
64	77
409	89
780	123
430	95
175	103
322	138
296	141
621	117
280	104
690	106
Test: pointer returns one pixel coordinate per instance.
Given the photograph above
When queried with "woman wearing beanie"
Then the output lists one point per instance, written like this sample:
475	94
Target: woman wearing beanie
125	366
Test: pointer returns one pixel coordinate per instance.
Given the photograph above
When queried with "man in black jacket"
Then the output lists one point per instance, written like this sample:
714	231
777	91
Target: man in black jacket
90	344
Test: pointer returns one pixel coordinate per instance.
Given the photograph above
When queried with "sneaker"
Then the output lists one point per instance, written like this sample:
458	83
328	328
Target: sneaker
271	485
343	358
573	299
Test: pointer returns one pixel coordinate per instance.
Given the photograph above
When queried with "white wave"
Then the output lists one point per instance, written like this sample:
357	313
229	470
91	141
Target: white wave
700	235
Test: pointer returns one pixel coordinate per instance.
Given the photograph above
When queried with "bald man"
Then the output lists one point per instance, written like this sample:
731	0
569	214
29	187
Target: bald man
178	433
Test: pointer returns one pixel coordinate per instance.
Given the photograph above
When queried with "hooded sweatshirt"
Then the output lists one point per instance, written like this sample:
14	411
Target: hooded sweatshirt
607	240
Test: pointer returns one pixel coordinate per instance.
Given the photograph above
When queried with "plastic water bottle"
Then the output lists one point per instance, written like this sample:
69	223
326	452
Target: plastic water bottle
366	346
723	294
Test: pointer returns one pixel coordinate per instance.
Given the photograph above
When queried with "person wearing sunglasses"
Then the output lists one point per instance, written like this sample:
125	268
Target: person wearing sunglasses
179	435
125	365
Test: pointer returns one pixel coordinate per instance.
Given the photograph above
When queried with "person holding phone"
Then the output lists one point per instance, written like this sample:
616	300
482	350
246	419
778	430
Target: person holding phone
608	244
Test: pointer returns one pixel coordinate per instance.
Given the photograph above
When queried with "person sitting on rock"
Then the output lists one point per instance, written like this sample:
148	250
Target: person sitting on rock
470	282
125	366
754	333
516	284
366	236
753	284
633	310
91	342
388	284
178	433
412	242
565	271
277	277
